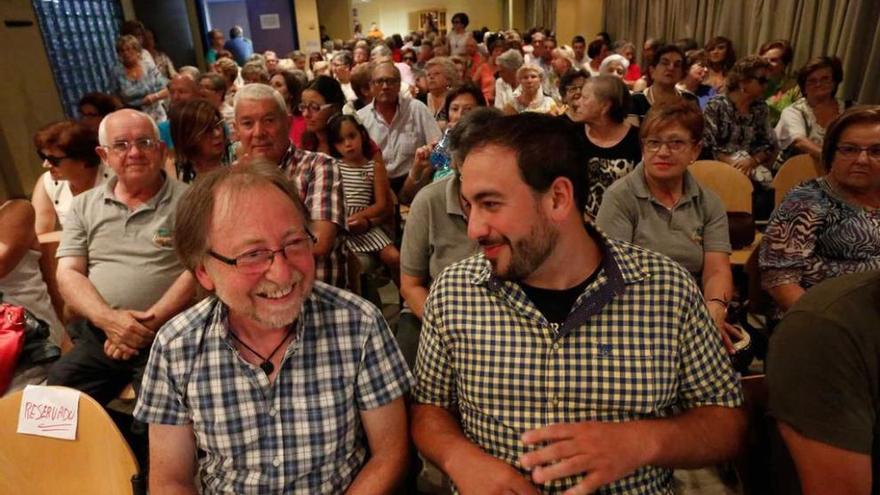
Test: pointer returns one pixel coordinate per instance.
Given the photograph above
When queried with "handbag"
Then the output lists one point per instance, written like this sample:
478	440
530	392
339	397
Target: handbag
12	326
741	226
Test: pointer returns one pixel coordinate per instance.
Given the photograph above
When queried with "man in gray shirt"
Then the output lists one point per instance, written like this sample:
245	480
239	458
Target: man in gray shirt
117	270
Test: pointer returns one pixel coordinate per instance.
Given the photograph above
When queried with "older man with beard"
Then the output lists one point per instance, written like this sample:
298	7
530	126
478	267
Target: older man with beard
285	383
559	360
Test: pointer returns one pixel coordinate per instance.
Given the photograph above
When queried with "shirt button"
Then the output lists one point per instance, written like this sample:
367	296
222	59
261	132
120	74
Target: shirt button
554	400
276	461
555	347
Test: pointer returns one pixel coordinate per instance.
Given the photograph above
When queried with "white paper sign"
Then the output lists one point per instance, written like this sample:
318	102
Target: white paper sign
49	412
270	21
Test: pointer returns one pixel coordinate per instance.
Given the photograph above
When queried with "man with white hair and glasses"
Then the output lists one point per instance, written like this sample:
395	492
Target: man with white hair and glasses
117	270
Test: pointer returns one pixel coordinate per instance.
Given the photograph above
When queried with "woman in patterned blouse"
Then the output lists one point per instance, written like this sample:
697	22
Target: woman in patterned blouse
737	126
829	226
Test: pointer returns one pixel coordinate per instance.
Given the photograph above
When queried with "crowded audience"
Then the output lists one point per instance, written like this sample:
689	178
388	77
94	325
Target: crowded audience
533	205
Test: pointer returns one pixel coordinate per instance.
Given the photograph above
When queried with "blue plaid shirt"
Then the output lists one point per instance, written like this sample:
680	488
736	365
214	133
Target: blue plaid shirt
301	433
637	344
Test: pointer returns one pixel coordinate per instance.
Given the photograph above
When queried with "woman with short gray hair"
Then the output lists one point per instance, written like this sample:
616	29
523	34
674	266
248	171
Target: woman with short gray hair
441	75
508	63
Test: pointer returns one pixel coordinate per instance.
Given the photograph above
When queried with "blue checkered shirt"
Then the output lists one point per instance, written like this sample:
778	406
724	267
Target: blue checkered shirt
300	434
637	344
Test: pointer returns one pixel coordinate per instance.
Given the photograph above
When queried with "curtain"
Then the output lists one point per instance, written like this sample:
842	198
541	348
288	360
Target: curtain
541	13
848	29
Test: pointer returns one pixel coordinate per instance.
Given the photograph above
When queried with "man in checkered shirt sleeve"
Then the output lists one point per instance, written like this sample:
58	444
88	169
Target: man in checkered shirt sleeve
558	360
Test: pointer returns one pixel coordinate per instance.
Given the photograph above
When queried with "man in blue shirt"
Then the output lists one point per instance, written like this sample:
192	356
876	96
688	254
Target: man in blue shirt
241	47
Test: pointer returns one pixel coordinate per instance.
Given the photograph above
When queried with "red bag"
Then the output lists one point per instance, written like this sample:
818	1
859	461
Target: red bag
12	325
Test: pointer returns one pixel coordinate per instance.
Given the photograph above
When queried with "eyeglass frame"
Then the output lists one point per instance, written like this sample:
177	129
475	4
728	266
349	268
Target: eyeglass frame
302	107
269	253
385	81
671	145
218	125
142	144
851	151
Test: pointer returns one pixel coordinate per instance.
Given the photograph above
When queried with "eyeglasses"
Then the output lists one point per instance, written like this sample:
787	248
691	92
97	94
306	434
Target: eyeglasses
55	161
852	151
313	107
260	260
386	81
142	144
674	145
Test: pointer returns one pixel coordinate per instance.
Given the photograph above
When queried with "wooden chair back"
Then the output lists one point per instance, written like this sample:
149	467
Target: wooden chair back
794	171
734	188
99	461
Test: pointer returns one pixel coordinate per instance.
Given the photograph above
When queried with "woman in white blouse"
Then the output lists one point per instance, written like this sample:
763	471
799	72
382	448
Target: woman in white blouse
801	128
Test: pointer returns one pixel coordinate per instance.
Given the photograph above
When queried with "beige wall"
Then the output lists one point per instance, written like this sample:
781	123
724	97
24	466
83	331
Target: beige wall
397	16
307	25
335	15
28	98
574	17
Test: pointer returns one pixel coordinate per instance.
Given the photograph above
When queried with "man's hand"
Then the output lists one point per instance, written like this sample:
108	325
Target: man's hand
358	225
486	475
126	328
604	452
119	352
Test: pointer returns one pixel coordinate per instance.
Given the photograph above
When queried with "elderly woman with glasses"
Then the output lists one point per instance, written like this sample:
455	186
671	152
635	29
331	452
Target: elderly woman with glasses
801	128
441	74
199	134
828	226
660	206
738	131
72	165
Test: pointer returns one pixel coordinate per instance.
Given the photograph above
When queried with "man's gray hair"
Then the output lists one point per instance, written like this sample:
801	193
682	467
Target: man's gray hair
104	140
260	92
190	72
510	60
389	63
344	57
380	50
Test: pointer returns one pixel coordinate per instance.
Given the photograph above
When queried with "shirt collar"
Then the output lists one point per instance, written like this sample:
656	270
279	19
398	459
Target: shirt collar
639	185
453	196
161	195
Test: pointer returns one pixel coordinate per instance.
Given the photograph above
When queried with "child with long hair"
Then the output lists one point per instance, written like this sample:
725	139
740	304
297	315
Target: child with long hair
367	191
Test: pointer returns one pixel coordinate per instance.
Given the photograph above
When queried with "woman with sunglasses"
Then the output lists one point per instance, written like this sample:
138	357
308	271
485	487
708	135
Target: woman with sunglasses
738	129
660	206
67	150
829	226
199	134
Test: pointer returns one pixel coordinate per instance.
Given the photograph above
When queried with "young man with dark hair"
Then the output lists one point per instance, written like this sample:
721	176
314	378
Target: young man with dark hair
557	357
